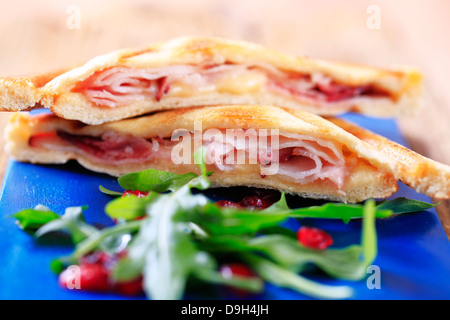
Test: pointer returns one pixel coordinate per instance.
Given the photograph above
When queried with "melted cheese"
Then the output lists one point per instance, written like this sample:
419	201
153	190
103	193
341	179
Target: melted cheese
240	83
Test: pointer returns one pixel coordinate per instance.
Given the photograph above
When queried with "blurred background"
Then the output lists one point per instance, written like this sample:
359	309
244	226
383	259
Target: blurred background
40	36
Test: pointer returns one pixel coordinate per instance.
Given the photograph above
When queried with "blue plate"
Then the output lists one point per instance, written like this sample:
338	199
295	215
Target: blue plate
413	249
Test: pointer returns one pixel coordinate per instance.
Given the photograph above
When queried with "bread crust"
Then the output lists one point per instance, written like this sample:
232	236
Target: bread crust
422	174
55	93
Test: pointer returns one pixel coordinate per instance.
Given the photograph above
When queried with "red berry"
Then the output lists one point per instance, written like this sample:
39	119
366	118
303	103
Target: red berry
228	204
255	202
314	238
90	277
237	270
130	288
138	193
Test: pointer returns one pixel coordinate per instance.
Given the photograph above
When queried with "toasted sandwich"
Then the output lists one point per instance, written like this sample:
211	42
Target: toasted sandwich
246	145
188	72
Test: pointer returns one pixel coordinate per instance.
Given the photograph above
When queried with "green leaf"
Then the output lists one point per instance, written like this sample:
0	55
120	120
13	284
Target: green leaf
57	266
179	227
96	239
72	222
237	221
342	263
154	180
339	263
201	182
369	233
199	160
250	284
33	219
346	212
168	248
206	270
110	192
129	207
282	277
280	205
403	205
278	230
128	268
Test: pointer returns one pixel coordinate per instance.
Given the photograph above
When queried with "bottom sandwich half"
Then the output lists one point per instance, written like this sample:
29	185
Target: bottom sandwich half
258	146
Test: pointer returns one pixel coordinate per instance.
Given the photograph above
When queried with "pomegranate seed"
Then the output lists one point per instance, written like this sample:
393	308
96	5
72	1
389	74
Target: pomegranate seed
237	270
92	277
130	288
255	202
228	204
138	193
314	238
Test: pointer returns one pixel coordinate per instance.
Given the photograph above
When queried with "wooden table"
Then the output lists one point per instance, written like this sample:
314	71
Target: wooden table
39	36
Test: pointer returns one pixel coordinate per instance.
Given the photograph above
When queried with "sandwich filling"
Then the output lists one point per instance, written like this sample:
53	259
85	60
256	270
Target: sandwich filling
118	86
298	158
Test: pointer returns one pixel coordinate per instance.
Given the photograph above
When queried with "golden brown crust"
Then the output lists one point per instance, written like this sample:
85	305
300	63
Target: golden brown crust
423	174
25	93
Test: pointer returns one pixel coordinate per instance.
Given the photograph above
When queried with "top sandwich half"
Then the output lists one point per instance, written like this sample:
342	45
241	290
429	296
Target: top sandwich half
189	71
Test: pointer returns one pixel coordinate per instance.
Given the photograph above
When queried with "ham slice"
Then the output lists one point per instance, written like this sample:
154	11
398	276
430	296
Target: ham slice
118	86
302	158
111	147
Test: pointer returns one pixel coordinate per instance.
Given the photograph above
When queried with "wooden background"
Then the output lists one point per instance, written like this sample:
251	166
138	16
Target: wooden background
38	36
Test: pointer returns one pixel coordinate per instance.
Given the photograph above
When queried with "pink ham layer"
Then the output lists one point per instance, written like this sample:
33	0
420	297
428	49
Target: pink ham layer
118	86
303	158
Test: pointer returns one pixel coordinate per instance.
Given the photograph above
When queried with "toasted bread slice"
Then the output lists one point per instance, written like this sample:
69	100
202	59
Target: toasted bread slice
187	72
308	155
423	174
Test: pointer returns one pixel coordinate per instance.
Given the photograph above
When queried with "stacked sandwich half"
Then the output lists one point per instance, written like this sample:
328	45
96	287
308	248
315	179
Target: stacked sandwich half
264	118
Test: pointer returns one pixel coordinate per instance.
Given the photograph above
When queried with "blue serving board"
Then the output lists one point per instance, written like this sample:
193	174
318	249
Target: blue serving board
413	249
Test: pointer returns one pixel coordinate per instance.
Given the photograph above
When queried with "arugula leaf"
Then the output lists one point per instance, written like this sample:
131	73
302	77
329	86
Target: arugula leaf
33	219
346	212
403	205
280	205
72	222
110	192
369	233
282	277
339	263
199	159
278	230
180	234
201	182
168	249
154	180
129	207
129	268
251	284
236	221
344	263
96	240
163	251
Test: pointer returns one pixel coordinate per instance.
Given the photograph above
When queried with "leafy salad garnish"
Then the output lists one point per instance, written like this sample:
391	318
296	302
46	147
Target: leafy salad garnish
172	237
